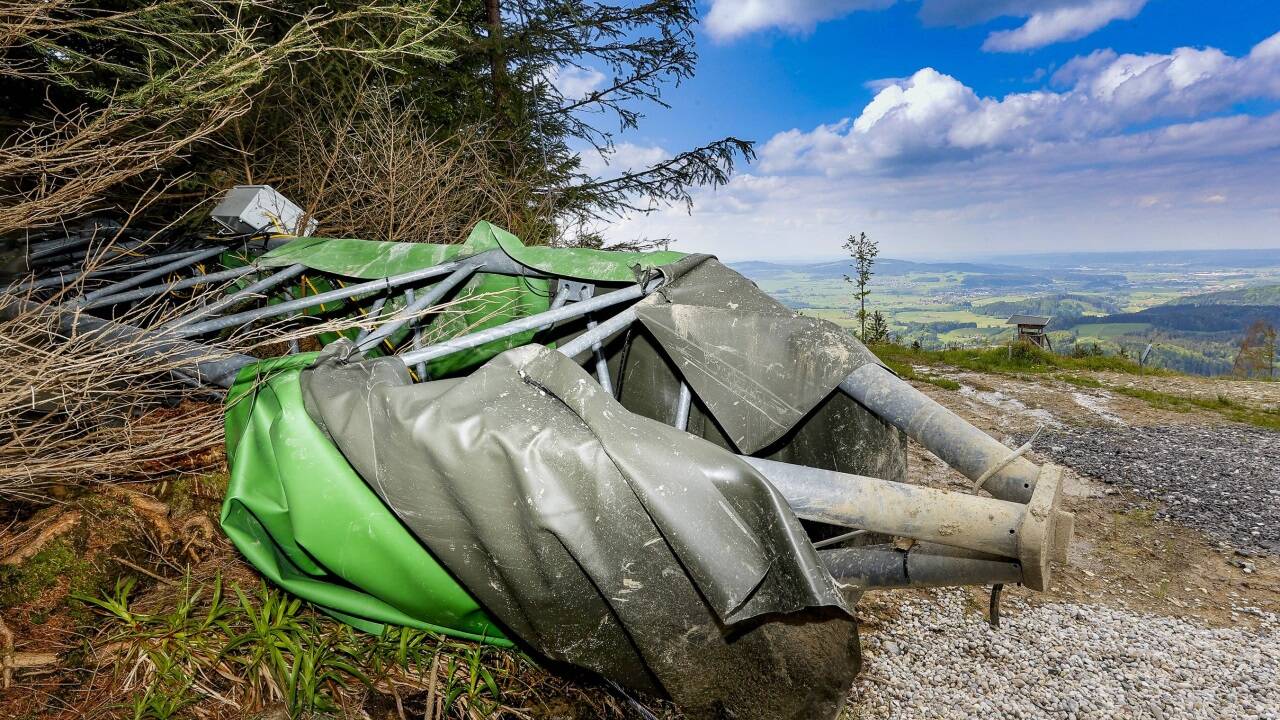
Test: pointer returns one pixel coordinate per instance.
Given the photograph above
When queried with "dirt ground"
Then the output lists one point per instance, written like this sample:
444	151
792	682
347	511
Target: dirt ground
1120	554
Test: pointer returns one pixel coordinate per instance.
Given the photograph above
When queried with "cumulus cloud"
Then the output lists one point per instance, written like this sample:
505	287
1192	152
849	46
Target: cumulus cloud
1070	22
622	158
931	117
1047	21
729	19
1161	189
574	82
1118	151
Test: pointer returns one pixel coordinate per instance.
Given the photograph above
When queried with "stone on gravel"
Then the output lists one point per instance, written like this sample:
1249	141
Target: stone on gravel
1221	479
1064	661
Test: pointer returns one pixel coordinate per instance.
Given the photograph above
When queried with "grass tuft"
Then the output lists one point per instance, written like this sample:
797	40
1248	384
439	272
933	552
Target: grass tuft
906	372
263	649
1015	358
1226	407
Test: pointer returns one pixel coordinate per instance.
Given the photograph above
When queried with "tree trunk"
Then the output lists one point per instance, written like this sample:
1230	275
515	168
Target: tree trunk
497	62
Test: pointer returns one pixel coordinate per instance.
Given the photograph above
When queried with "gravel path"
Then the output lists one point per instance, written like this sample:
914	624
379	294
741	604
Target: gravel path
1222	479
940	660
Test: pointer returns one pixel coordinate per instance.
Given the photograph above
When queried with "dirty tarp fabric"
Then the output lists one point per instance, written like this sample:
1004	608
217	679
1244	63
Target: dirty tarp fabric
301	515
371	259
485	300
599	537
756	365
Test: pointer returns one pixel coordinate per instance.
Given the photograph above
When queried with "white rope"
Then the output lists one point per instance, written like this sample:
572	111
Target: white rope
977	485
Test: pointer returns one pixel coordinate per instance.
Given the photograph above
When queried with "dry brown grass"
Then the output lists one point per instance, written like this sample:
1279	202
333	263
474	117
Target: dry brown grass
93	405
376	171
207	63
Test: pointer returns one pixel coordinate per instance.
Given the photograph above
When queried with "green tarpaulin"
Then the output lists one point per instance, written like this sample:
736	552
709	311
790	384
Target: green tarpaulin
306	520
487	299
295	507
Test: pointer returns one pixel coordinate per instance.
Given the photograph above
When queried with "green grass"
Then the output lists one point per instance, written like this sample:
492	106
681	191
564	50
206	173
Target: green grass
1222	405
947	315
1014	358
906	372
266	647
1023	358
1084	382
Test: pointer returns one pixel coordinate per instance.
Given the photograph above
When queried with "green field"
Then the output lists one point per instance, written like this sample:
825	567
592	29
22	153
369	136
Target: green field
927	305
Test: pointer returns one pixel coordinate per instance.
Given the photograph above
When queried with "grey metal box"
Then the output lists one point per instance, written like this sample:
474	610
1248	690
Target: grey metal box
258	208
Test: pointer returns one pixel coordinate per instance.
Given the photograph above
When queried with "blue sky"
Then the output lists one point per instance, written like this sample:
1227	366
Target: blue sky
951	128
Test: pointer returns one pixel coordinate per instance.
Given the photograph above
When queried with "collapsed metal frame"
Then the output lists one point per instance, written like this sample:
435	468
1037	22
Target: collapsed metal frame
954	538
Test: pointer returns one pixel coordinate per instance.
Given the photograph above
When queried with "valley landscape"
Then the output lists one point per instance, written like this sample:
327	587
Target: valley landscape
1194	307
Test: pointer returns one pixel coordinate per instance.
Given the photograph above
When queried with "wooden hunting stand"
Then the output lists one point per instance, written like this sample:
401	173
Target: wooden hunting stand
1031	329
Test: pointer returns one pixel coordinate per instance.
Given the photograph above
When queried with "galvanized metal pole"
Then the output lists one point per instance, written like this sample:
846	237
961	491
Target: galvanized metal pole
883	566
211	365
414	307
64	278
602	364
950	518
558	301
599	333
57	247
161	271
284	308
146	292
373	313
947	435
684	402
416	343
532	322
239	296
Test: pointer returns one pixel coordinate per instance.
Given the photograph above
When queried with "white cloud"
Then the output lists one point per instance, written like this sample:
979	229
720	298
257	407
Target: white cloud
1121	151
933	118
729	19
1057	24
1155	190
1047	21
574	82
624	156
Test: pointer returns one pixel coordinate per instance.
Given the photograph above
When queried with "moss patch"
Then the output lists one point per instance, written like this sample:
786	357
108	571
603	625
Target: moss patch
45	570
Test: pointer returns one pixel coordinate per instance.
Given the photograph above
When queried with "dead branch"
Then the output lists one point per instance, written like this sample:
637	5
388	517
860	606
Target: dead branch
59	526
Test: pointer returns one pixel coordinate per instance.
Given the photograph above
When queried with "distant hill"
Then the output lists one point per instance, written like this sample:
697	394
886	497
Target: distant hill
1063	304
1260	295
1201	260
1194	318
884	266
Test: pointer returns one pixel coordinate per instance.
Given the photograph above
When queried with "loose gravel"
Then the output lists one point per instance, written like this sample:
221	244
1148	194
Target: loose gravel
940	659
1222	479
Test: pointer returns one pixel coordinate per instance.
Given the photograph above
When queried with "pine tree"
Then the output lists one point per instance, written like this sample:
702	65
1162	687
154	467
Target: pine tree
877	329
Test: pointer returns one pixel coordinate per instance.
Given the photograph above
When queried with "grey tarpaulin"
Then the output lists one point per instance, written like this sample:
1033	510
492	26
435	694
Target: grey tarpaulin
598	536
763	376
757	365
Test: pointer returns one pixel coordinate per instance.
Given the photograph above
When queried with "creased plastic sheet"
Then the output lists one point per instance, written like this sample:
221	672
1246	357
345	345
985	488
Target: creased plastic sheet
370	259
597	536
756	365
306	520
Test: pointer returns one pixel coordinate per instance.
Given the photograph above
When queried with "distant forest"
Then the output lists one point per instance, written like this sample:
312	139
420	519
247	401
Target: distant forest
1194	318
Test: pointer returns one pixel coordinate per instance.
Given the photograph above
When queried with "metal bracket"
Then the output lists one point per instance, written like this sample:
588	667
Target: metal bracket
575	291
